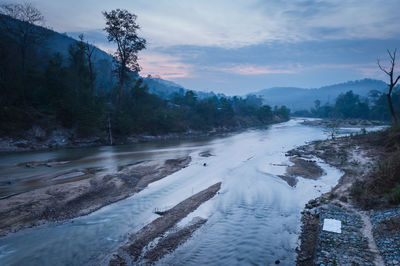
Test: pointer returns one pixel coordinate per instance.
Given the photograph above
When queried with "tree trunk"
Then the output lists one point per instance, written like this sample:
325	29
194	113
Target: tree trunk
110	131
91	77
392	112
23	68
121	85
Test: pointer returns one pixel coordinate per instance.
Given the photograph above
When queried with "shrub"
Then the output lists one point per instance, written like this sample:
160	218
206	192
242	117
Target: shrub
394	195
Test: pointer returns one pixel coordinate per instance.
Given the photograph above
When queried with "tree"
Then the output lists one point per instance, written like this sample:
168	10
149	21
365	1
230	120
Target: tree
25	31
88	51
122	29
19	22
393	81
90	57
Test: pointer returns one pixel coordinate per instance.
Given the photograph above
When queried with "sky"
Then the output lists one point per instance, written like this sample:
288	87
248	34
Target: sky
241	46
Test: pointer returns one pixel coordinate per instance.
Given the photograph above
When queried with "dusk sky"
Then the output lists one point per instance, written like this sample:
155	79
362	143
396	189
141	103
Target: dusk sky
240	46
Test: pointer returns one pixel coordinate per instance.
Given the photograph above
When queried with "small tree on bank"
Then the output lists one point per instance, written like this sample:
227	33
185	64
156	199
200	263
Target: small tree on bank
122	29
393	81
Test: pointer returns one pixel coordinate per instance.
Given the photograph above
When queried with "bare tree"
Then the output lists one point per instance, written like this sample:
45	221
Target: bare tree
23	31
90	57
122	29
393	81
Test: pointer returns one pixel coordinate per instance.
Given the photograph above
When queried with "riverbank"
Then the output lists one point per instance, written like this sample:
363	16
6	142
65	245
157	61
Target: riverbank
361	240
40	138
76	198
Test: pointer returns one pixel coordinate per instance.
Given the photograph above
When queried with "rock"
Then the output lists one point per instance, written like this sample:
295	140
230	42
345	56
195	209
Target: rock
205	154
38	132
21	143
343	199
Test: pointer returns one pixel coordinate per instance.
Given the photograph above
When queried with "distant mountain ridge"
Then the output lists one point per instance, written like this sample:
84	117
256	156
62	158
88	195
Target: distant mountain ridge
300	99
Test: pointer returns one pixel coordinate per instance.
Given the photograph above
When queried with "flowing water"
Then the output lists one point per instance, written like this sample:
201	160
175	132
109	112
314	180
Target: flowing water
254	220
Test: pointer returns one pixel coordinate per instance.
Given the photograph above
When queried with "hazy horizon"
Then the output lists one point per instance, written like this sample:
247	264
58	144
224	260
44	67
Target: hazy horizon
254	45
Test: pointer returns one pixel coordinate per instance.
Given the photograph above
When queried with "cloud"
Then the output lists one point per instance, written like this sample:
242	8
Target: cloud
251	22
163	65
234	23
255	70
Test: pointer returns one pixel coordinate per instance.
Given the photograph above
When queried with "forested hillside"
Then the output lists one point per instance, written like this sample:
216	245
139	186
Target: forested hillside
50	80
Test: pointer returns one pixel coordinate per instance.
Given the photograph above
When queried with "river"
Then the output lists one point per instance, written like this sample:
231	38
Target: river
254	220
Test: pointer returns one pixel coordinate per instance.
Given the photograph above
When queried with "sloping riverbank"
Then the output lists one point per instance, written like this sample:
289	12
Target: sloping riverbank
362	240
51	137
38	139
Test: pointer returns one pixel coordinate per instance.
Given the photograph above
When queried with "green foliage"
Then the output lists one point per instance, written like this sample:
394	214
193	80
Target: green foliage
350	106
394	195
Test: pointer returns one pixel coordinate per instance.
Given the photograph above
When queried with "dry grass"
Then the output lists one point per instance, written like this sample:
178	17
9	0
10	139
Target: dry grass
382	186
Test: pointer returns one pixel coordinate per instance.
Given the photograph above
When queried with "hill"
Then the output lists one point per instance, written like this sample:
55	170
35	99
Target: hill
299	98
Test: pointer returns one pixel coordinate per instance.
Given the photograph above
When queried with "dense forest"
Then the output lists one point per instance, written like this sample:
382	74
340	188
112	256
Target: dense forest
39	86
352	106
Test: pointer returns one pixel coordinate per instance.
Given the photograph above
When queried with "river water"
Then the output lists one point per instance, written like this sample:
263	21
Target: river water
254	220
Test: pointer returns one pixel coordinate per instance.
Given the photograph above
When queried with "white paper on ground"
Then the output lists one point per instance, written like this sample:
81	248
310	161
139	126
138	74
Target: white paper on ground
332	225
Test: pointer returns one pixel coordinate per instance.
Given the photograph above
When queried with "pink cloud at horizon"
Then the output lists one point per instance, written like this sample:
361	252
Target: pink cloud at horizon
256	70
164	66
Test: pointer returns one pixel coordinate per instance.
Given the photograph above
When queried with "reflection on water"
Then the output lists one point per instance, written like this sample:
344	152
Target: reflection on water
254	220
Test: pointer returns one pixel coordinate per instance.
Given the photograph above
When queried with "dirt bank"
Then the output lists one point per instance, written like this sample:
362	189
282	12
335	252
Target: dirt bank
356	156
132	252
48	138
73	199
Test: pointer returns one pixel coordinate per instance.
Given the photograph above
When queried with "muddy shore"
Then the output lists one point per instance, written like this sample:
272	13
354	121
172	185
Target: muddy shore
69	200
305	168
